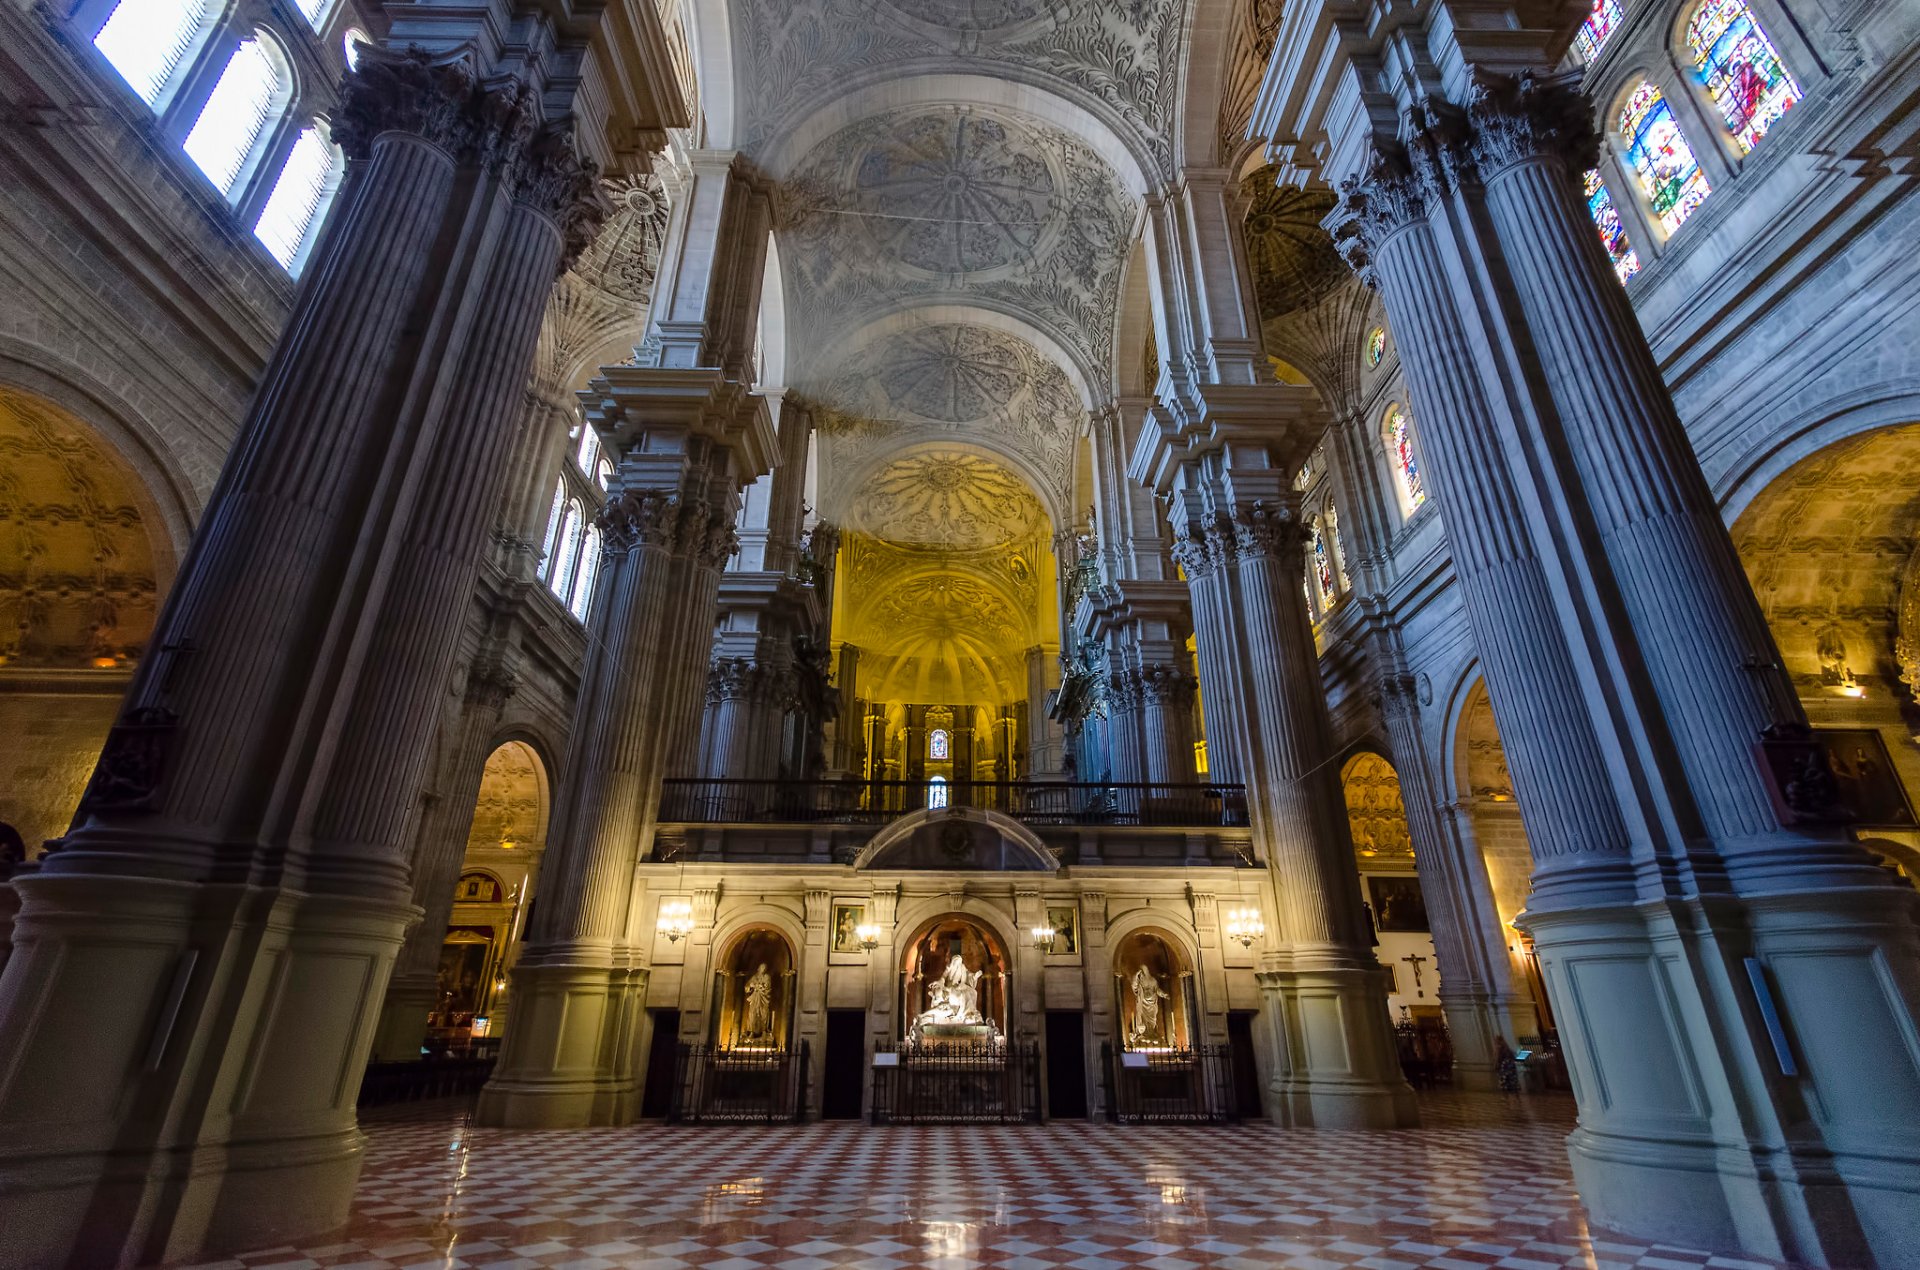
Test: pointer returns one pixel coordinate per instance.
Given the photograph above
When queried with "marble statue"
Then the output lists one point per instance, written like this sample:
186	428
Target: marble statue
1149	1021
757	1023
954	997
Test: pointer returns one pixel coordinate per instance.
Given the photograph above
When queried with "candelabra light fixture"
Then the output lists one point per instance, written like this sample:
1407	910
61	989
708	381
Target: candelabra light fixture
676	920
1246	925
868	936
1043	937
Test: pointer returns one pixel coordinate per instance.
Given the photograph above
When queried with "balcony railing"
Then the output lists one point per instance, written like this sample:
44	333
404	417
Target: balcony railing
711	802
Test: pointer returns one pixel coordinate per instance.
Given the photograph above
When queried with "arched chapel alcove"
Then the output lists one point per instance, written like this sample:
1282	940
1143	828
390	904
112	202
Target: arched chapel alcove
1154	993
753	992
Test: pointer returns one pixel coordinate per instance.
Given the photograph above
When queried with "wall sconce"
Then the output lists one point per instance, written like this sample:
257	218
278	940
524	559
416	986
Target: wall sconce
1043	937
1246	925
868	936
676	920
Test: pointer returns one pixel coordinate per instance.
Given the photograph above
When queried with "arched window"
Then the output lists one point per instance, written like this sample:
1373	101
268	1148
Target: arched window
1322	563
1606	217
1741	69
145	39
589	450
1336	547
1593	33
315	12
1661	158
566	559
251	89
1398	430
350	45
937	744
936	791
1306	591
603	472
589	569
291	219
553	522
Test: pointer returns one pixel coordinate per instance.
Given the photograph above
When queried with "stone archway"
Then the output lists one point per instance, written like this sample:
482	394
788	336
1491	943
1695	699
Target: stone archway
85	562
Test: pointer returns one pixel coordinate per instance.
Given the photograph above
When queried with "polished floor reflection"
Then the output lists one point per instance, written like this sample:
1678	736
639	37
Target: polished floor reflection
1483	1183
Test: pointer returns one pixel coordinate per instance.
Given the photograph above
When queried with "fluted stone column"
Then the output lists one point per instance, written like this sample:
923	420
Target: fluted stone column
196	974
689	440
439	851
1679	894
1125	735
1238	537
1166	713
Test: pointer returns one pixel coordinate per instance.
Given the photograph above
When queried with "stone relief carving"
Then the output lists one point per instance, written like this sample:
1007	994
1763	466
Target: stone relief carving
1124	53
929	203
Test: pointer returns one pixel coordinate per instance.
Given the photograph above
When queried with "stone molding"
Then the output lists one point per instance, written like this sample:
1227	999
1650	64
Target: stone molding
1248	531
497	127
669	520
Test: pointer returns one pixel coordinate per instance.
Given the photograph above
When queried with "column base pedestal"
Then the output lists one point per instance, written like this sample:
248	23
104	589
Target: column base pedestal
1704	1137
1339	1063
568	1061
403	1019
189	1059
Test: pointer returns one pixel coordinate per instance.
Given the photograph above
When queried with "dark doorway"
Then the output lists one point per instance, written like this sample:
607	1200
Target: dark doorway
1066	1065
656	1095
1246	1072
846	1065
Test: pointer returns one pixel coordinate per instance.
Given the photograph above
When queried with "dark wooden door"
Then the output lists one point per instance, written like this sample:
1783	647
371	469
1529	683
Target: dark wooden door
1066	1065
656	1094
846	1065
1246	1072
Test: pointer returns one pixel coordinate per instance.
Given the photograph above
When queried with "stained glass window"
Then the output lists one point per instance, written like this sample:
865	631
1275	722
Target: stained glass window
1741	69
937	791
1593	33
1613	235
1406	466
1323	566
1376	346
937	746
1661	158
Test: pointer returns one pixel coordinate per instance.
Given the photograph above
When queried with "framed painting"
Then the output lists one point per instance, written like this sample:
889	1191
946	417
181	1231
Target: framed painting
1398	904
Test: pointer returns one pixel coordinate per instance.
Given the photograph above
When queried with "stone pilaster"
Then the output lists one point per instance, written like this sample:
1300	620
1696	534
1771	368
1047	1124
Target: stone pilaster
238	868
1238	536
689	440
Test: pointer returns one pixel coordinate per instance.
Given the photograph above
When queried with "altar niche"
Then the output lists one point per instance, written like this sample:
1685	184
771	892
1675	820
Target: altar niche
753	993
1153	992
954	986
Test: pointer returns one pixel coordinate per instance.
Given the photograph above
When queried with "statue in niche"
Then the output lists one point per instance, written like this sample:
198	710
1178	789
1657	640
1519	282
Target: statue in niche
756	1017
1149	1025
954	997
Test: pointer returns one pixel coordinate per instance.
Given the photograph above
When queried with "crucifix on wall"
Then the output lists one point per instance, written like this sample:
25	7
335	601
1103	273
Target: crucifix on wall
1416	961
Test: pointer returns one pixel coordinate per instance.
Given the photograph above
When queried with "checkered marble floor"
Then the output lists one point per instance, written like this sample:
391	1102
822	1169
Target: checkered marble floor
1484	1182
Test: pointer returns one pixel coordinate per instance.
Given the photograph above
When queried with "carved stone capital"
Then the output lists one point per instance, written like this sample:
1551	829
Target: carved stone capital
490	683
667	519
1123	688
1515	118
1165	686
1401	185
498	127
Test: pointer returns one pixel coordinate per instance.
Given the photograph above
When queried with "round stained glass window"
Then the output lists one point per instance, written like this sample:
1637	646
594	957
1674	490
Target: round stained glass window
1376	346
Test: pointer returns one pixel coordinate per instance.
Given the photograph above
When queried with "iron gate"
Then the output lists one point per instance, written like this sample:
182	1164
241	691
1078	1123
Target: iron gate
1171	1086
997	1084
739	1084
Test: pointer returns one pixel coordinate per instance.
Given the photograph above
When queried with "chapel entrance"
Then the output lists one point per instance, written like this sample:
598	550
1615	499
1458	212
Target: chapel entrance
751	1068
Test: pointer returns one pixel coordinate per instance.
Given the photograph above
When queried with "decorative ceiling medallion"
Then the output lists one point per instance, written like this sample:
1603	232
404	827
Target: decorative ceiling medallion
1292	259
956	195
973	16
954	373
948	498
625	255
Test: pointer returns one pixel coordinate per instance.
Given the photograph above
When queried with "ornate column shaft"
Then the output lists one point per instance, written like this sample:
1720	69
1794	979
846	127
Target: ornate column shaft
1166	710
1125	753
1239	536
239	857
1544	418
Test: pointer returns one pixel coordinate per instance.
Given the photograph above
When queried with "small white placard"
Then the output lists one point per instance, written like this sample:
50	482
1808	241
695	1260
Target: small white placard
886	1058
1130	1059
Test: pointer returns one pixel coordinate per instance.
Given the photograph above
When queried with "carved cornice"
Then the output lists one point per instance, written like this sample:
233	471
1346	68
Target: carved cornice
497	127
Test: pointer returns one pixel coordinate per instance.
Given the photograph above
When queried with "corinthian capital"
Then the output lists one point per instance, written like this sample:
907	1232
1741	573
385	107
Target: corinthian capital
640	518
1166	685
1401	185
1516	118
548	175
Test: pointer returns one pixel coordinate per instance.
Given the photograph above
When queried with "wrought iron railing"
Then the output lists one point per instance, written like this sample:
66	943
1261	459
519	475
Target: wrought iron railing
712	1084
1170	1086
951	1084
876	802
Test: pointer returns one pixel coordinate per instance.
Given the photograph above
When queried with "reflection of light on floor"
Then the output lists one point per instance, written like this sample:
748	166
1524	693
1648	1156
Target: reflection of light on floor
745	1192
949	1238
1173	1194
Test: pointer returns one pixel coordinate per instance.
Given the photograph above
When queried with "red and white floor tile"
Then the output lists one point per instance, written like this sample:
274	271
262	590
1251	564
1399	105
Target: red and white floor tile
1483	1183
